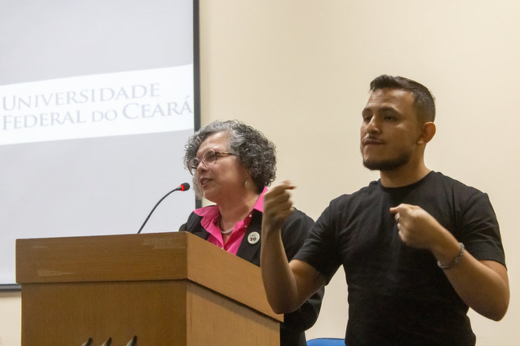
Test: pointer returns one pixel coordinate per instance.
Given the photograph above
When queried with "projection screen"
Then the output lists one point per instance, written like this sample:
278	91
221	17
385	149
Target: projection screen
96	105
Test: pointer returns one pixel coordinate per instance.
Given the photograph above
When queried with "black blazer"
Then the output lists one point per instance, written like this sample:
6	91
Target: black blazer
294	233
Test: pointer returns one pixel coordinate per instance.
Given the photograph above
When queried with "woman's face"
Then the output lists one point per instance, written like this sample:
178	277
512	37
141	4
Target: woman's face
224	176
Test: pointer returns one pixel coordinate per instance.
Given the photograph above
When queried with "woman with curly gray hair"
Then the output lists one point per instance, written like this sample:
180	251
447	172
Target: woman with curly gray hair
255	152
232	164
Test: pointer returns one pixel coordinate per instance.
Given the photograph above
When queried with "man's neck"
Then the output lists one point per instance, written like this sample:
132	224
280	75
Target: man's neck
403	176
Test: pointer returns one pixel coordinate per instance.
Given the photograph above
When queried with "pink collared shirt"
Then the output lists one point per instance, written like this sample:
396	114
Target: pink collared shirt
210	222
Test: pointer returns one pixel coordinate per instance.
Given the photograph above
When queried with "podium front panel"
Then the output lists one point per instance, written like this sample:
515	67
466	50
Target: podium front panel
166	289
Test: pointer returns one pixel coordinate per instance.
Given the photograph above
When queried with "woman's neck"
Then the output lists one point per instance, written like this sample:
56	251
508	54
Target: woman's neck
234	210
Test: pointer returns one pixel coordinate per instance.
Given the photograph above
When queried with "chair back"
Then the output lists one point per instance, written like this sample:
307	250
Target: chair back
326	342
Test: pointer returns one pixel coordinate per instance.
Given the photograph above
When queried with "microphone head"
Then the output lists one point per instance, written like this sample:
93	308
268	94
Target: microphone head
184	187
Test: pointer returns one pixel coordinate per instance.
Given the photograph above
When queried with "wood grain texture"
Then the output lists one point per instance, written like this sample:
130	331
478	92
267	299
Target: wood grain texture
166	288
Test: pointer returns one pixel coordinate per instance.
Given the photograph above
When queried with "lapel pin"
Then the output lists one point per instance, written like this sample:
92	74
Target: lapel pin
253	238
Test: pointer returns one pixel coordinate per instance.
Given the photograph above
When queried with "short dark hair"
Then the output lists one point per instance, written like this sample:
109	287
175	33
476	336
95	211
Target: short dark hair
254	151
424	101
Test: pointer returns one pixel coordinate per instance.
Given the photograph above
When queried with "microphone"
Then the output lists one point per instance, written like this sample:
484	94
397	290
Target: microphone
181	187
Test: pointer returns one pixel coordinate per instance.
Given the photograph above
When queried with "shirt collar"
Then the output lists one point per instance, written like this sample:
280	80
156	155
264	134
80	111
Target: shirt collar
259	205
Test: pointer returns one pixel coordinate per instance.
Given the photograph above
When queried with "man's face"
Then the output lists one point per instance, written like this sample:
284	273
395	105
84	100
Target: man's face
390	129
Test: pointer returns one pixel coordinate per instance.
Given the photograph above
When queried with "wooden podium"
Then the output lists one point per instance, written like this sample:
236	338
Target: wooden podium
163	288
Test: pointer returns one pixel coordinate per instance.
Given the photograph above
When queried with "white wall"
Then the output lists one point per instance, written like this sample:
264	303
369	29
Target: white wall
299	70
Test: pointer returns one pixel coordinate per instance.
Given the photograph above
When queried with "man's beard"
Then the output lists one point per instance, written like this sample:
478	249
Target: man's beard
388	165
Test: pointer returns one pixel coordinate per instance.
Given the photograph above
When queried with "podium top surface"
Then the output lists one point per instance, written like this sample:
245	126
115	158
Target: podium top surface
141	257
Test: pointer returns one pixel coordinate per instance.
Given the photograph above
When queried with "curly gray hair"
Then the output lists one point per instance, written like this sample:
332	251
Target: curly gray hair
254	151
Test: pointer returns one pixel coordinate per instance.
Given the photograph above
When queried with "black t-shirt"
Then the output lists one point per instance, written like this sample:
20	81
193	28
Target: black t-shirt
397	295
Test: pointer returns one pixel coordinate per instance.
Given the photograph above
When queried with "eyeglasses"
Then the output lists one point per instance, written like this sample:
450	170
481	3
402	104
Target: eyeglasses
208	158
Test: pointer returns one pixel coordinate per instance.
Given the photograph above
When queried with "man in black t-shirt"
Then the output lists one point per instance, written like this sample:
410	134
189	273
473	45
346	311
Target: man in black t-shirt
418	248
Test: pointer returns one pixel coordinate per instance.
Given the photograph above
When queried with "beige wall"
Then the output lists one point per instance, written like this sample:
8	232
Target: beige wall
10	319
299	70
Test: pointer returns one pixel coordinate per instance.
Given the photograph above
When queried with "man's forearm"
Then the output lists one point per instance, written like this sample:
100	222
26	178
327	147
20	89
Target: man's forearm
279	281
482	285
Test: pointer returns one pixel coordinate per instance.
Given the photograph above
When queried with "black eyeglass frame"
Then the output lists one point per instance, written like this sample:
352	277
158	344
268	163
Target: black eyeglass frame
194	163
